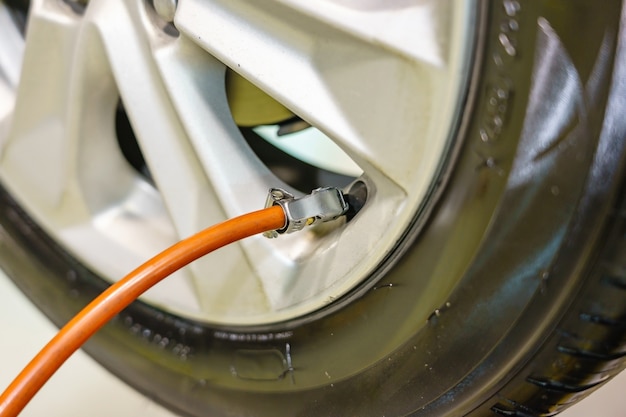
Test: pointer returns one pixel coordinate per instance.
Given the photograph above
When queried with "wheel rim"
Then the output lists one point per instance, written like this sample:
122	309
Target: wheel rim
61	160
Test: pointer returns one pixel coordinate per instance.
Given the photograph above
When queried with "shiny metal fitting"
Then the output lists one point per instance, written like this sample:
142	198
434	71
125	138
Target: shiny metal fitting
322	205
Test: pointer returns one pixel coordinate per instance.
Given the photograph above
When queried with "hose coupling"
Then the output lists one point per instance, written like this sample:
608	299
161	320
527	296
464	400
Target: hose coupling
322	205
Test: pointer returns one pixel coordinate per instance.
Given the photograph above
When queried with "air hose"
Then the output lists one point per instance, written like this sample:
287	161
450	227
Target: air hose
283	213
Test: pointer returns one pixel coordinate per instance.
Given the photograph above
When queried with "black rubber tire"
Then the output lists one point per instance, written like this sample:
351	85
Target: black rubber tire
523	240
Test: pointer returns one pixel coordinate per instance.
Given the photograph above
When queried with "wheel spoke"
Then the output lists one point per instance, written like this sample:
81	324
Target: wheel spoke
11	51
159	94
195	84
10	54
330	73
60	156
40	135
162	139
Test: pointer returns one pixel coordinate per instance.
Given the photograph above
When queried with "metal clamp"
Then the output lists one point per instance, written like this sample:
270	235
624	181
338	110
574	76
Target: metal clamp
322	205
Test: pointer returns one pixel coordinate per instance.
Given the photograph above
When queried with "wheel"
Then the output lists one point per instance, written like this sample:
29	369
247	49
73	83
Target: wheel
483	143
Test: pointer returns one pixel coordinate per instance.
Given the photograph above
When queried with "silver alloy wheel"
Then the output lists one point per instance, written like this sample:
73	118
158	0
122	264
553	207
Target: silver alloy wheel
383	81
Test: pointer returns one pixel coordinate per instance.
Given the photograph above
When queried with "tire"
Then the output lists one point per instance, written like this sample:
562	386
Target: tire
520	249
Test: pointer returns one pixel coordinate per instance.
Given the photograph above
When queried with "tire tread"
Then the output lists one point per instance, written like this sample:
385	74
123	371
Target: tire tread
590	341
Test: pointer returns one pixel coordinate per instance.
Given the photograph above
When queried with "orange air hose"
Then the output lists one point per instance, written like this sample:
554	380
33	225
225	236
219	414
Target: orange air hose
119	295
